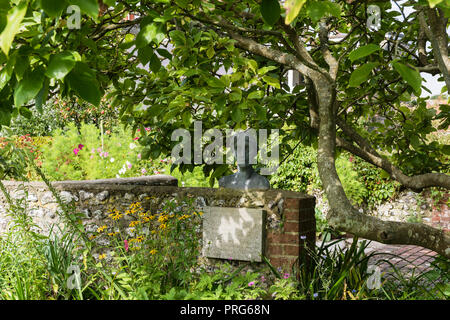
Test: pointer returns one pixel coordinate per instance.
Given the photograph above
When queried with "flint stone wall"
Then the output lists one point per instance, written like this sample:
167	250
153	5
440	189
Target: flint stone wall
289	220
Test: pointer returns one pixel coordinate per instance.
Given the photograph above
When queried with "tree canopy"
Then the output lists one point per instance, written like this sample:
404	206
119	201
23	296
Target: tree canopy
224	63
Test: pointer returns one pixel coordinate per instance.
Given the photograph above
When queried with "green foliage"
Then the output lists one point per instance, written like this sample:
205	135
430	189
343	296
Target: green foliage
298	172
79	156
378	184
363	183
351	180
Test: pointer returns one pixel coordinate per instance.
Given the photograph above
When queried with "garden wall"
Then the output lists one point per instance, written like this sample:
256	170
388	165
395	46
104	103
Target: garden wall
289	217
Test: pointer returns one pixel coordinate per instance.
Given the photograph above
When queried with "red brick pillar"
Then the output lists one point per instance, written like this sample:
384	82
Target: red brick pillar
286	246
441	214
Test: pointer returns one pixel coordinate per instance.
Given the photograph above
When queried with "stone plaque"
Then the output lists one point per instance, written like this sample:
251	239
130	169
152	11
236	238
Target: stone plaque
233	233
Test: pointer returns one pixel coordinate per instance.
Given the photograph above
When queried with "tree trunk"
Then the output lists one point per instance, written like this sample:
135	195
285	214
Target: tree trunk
342	215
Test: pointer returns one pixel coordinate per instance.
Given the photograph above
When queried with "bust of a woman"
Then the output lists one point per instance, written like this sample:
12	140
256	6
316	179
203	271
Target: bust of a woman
246	178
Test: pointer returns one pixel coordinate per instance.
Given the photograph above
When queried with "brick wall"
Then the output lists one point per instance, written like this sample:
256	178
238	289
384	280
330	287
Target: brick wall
286	245
441	214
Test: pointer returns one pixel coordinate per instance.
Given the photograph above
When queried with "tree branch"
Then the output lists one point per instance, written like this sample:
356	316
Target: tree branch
366	152
437	34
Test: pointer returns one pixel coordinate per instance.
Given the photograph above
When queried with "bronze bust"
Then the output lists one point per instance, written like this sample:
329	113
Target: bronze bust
246	178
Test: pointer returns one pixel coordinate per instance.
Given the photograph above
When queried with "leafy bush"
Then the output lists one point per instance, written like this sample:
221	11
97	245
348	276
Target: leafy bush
80	156
299	172
58	114
363	183
351	180
377	181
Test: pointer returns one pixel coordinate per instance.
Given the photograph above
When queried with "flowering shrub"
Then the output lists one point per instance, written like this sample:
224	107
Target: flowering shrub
10	148
160	245
74	155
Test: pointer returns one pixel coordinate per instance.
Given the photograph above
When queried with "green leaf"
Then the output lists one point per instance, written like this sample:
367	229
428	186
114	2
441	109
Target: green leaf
145	54
83	81
236	94
316	10
41	97
270	11
236	113
264	70
415	142
60	65
293	8
255	95
25	112
177	37
411	76
333	8
215	82
5	5
28	87
187	119
261	112
90	7
5	117
363	51
14	19
210	52
6	73
164	53
271	81
53	7
433	3
155	63
150	32
361	74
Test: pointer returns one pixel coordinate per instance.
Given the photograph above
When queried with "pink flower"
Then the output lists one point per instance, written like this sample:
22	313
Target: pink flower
76	150
99	149
147	129
137	138
126	244
93	150
350	159
143	171
251	283
80	146
286	275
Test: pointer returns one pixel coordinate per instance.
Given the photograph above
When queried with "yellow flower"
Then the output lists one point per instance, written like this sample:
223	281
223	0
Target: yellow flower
142	214
115	215
184	216
112	234
153	251
102	256
134	223
101	229
163	226
153	231
163	218
92	237
138	239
